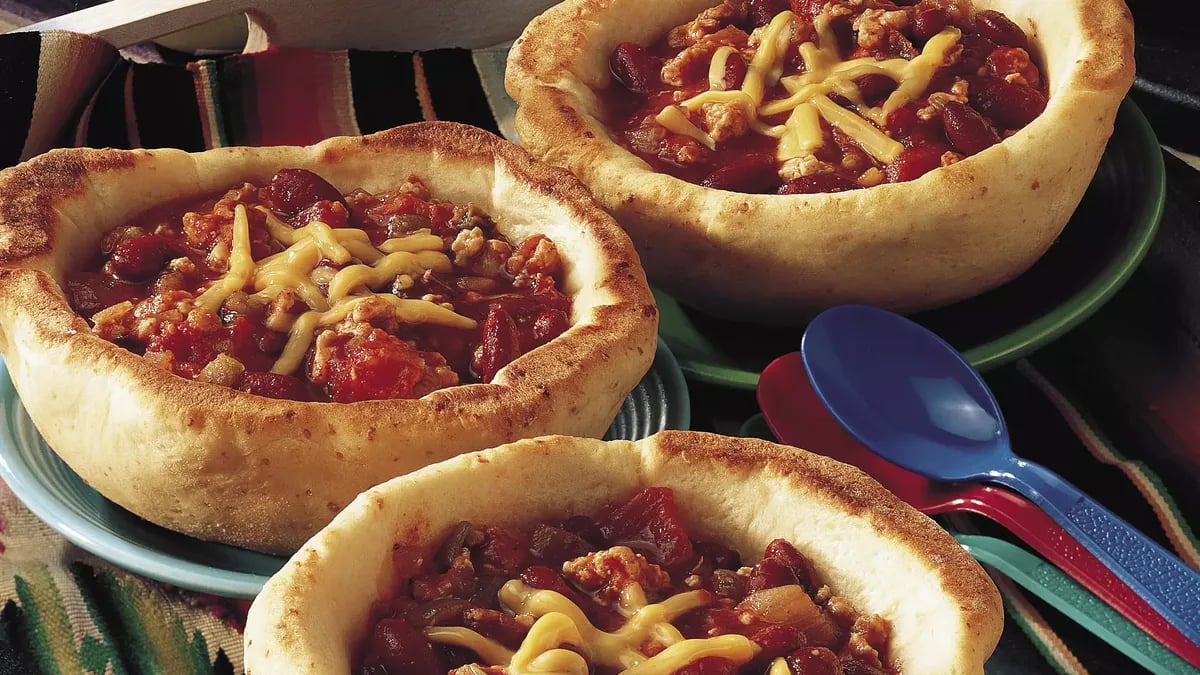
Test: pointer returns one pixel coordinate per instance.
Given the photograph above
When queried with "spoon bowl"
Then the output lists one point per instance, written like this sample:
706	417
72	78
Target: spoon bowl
796	416
905	393
911	398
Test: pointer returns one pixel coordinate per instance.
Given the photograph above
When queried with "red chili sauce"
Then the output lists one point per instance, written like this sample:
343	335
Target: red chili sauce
779	603
140	293
987	88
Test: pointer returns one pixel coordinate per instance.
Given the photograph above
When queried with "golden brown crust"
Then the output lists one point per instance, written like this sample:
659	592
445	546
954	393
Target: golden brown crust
228	466
879	553
948	235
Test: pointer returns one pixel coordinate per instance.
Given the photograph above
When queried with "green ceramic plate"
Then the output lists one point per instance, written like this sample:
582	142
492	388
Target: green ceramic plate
1097	252
60	498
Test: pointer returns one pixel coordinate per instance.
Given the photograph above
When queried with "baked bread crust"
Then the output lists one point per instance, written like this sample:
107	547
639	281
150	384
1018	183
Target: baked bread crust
228	466
948	235
870	547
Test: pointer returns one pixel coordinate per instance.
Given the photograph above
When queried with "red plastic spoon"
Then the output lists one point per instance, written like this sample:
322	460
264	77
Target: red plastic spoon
797	417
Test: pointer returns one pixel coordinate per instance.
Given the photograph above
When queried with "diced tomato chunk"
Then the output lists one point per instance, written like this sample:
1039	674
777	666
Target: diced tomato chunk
649	523
378	366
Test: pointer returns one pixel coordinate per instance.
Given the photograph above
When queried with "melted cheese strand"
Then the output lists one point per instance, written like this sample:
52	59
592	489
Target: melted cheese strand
878	144
676	121
548	632
241	265
560	621
807	101
387	268
410	311
804	134
421	240
767	65
489	651
732	647
279	230
716	69
919	73
291	269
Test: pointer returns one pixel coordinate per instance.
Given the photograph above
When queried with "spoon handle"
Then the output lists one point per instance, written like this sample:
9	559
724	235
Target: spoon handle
1167	584
1049	583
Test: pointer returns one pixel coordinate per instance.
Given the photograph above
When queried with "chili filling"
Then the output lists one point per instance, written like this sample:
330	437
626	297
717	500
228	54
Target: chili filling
623	591
296	291
812	96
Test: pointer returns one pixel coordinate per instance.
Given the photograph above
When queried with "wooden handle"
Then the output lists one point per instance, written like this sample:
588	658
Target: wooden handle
320	24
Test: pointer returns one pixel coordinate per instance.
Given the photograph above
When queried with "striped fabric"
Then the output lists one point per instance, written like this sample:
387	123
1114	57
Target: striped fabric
69	89
1112	406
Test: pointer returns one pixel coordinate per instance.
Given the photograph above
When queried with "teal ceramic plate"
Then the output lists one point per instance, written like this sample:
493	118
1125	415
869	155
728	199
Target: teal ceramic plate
59	497
1095	255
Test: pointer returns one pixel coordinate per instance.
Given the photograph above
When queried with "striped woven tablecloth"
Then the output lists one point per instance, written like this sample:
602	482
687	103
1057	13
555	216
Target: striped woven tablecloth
1113	405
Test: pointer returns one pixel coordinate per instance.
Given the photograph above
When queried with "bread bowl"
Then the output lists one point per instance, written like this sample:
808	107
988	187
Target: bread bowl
229	466
867	545
947	235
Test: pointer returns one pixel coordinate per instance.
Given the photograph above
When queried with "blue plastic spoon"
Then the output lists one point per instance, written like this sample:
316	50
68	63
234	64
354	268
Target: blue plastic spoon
911	398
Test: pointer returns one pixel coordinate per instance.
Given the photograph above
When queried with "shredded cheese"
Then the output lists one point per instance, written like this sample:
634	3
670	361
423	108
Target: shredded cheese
807	102
716	69
293	269
241	265
675	120
562	622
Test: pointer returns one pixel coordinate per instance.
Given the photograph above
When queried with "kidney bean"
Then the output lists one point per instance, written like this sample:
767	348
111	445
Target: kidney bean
875	88
967	130
1004	61
754	173
928	22
915	162
1010	106
762	11
136	259
735	72
770	573
291	190
400	648
1000	29
783	551
635	68
500	344
822	182
975	50
728	584
549	324
776	641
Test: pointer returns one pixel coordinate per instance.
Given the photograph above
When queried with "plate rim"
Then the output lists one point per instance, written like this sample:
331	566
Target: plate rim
1034	334
138	558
